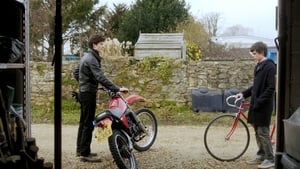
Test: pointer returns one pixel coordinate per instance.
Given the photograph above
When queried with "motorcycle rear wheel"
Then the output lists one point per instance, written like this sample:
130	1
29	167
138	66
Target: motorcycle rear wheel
119	148
149	123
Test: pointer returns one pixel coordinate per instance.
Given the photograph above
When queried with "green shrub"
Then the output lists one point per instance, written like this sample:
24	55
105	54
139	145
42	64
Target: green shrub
193	51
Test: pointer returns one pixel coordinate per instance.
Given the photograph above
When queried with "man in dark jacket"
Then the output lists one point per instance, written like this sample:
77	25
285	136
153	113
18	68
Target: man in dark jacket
90	75
261	104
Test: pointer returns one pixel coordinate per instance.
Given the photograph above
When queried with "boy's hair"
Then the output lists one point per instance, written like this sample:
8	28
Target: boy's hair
259	47
95	39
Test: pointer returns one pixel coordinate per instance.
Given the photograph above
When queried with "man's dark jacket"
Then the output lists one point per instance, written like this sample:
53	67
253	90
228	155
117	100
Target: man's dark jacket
262	93
90	74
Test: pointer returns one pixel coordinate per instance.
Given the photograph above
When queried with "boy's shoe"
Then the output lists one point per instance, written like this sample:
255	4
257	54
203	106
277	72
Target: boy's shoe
90	159
255	160
266	164
91	154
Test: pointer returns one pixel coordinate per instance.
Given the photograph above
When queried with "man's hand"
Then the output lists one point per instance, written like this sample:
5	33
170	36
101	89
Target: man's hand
75	96
239	95
123	90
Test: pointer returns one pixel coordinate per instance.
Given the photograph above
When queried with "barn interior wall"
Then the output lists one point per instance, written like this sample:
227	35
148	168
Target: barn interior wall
295	56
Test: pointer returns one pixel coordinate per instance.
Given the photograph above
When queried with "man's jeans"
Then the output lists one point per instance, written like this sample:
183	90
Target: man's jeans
85	130
264	144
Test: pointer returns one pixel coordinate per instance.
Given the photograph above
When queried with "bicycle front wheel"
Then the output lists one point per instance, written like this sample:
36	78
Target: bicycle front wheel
225	142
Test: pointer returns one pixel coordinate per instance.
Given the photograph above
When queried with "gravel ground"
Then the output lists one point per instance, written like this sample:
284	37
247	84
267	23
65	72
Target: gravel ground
176	147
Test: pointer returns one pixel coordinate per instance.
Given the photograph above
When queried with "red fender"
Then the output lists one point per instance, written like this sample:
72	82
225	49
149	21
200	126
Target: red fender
134	98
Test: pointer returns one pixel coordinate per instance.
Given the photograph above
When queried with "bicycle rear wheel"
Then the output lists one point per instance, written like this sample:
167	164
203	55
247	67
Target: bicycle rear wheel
218	145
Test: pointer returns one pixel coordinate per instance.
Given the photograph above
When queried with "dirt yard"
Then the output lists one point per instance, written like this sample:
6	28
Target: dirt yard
176	147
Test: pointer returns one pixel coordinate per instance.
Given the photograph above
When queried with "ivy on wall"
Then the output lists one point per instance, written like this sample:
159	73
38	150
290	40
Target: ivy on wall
148	76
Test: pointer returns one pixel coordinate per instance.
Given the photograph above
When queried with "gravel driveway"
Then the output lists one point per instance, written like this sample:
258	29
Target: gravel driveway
176	147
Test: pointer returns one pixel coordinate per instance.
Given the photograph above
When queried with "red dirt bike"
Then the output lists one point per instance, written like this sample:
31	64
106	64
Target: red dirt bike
125	129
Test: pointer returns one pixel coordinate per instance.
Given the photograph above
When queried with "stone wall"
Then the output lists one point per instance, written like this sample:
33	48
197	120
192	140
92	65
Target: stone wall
185	77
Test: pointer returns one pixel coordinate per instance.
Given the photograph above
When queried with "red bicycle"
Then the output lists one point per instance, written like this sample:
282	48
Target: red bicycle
229	132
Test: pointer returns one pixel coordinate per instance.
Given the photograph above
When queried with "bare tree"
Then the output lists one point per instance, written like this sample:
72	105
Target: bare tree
211	21
194	32
237	30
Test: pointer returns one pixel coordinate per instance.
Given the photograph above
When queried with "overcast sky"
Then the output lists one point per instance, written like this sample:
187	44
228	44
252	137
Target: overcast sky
258	15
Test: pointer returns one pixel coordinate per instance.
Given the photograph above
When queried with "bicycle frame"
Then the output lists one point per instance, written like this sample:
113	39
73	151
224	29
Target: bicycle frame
237	117
241	113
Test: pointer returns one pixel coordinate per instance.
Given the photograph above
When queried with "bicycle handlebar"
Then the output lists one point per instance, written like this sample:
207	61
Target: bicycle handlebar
236	100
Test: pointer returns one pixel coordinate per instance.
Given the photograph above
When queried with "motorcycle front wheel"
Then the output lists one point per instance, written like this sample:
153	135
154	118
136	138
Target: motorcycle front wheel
119	148
146	137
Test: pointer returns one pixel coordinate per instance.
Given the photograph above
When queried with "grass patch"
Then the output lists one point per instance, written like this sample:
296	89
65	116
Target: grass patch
170	113
166	112
45	113
71	112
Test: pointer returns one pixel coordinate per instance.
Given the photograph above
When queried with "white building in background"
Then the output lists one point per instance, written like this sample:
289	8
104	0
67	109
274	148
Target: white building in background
246	41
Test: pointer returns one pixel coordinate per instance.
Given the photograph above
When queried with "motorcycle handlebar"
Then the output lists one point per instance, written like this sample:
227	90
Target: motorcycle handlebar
111	93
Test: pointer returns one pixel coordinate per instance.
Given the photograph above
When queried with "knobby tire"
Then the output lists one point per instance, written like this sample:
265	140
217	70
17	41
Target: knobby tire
119	148
149	122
